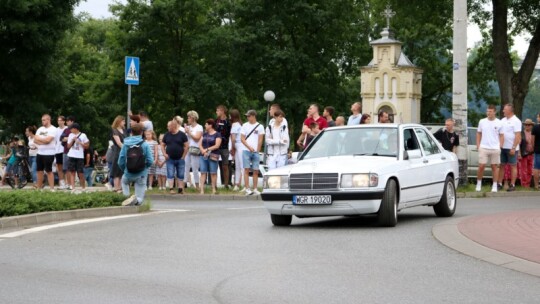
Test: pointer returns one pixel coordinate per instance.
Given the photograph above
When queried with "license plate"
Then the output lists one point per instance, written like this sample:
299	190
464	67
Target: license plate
312	200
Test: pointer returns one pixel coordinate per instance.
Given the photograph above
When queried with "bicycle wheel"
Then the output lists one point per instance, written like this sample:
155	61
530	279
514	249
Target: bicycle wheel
10	181
23	176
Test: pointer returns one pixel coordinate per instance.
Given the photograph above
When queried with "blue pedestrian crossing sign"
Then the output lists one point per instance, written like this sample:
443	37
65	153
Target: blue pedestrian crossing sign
132	70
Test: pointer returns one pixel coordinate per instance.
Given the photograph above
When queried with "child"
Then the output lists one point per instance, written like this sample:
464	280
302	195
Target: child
161	168
150	138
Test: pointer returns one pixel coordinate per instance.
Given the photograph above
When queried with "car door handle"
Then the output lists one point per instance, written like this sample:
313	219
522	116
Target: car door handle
443	157
426	161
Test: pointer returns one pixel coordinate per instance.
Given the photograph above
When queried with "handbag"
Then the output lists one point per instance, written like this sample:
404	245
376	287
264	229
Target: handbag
194	151
212	156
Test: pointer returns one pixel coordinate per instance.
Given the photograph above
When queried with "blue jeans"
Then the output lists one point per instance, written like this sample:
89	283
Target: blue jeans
506	158
206	165
250	160
88	176
175	164
140	186
33	167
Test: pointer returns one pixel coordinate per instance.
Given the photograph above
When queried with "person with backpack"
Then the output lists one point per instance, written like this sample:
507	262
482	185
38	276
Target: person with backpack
134	160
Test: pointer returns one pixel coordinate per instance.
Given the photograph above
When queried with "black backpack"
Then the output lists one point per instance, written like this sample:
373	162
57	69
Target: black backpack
135	160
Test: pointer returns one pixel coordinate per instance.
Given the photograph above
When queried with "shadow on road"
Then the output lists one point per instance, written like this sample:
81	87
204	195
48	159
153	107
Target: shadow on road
360	221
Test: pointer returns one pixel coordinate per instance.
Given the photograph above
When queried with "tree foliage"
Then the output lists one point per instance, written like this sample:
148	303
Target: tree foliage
31	76
510	18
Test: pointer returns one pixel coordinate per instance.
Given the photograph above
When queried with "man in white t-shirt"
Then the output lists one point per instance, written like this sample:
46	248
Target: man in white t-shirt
76	143
60	152
511	126
45	139
252	136
489	139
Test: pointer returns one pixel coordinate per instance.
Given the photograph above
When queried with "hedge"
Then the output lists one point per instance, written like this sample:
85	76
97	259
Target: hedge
26	202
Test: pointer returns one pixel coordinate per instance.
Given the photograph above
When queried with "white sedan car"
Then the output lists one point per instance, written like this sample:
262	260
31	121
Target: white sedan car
365	169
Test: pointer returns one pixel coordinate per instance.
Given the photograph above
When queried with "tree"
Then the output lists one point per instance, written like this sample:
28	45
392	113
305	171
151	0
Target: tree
510	18
31	78
305	51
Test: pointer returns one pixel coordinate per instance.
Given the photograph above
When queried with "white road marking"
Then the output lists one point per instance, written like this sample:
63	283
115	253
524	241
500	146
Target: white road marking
171	210
65	224
245	208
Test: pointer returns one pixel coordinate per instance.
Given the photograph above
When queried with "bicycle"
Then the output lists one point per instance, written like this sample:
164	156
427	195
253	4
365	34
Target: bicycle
20	174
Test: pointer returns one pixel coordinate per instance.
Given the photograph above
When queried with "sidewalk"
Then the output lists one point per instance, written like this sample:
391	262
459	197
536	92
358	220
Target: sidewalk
508	239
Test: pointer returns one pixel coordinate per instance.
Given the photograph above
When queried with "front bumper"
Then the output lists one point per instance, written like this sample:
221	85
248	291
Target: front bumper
343	203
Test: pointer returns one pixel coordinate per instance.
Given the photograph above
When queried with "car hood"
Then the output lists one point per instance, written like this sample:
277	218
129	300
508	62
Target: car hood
340	164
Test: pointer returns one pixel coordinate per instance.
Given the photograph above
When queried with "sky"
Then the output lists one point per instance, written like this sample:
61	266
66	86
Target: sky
100	9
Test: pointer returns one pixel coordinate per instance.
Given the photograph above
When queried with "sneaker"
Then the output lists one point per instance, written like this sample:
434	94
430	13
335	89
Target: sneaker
478	187
235	189
69	188
511	188
499	187
256	192
494	188
149	187
248	192
130	201
108	186
244	190
62	187
180	191
74	191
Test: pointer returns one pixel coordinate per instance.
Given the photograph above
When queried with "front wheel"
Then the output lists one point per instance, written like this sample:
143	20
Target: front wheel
387	215
446	207
281	220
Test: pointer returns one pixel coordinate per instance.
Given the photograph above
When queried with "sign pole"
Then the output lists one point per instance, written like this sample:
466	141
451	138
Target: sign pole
128	106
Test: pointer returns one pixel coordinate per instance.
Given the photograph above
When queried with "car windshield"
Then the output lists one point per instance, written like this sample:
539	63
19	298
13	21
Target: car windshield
354	141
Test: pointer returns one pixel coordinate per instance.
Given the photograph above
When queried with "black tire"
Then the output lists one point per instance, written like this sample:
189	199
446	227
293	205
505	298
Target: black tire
281	220
446	207
387	216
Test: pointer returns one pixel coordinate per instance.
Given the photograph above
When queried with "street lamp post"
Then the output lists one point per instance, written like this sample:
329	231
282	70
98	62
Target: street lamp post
269	96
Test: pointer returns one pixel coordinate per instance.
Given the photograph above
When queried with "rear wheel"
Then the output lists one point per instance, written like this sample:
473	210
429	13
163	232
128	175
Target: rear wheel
387	215
281	220
447	205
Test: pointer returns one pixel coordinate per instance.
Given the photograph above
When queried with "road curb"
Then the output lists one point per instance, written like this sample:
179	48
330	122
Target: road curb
203	197
449	235
21	221
497	194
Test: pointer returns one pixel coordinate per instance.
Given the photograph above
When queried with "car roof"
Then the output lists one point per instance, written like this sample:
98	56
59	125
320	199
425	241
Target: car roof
379	125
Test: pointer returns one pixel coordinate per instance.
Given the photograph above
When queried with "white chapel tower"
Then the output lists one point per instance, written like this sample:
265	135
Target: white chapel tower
391	82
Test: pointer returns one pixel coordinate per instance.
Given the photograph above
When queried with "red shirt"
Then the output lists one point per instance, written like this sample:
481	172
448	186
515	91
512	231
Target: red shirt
321	121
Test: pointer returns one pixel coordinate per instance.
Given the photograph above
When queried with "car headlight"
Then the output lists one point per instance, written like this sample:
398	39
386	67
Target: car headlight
276	182
359	180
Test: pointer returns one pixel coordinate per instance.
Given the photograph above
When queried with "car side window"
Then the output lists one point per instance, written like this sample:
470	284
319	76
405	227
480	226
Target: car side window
409	140
429	145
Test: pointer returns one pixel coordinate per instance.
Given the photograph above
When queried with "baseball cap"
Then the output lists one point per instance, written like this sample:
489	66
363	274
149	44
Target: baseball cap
251	113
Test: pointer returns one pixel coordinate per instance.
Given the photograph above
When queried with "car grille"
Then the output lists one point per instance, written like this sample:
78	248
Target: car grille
313	181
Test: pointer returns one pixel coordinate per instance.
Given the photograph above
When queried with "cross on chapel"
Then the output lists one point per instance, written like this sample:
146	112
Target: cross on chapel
388	13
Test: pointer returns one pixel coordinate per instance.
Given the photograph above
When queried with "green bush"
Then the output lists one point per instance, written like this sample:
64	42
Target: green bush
26	202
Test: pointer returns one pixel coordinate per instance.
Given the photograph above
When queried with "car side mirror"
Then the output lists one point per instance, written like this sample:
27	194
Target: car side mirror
413	154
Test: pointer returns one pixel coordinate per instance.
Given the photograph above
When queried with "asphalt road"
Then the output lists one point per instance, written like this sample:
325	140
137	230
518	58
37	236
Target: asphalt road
229	252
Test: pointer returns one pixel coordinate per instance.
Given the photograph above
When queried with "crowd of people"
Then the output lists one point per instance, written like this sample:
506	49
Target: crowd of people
191	154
